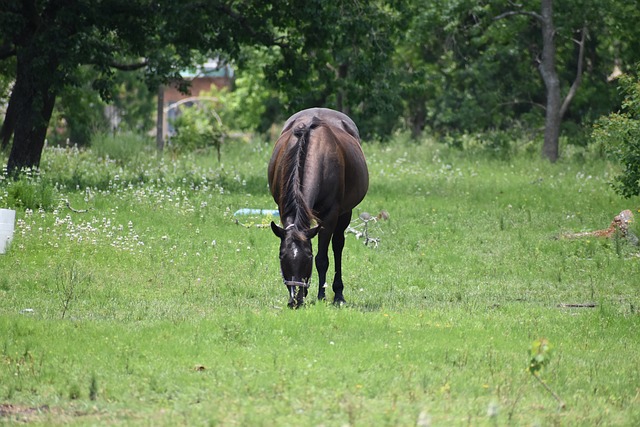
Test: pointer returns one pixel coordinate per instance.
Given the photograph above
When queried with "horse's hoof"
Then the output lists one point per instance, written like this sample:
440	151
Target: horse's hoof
339	302
293	304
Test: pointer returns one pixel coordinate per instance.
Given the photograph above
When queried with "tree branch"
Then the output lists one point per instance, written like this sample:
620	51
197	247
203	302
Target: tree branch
244	23
578	79
553	393
518	12
518	102
129	67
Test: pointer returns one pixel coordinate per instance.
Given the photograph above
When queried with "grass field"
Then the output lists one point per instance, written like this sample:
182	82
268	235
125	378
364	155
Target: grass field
156	308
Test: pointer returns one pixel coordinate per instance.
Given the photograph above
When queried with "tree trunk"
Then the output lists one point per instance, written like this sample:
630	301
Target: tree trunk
417	117
9	123
341	75
34	100
551	80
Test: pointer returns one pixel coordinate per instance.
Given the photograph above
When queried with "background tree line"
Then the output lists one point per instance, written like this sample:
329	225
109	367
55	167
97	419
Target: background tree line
444	67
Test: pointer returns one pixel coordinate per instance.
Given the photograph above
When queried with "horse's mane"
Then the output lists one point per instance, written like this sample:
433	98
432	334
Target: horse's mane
294	161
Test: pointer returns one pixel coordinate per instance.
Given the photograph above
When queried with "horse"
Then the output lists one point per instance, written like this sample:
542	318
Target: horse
317	175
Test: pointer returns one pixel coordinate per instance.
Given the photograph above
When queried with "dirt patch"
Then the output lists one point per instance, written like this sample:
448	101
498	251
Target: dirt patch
22	413
11	412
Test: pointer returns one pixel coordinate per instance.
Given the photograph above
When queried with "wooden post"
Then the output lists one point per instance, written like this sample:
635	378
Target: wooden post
160	120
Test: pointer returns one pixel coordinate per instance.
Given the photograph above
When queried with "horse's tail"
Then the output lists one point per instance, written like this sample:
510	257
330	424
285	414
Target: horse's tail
303	132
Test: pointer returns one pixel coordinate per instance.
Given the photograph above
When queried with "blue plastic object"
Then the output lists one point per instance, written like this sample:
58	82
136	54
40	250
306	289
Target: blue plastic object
246	211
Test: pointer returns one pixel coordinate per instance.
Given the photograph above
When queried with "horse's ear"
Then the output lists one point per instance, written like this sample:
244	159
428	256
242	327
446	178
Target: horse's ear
311	233
278	231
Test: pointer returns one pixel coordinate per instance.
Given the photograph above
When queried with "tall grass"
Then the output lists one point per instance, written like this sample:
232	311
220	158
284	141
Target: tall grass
157	307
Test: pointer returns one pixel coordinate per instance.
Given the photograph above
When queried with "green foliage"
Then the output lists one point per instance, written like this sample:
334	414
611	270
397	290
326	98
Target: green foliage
74	392
171	36
197	128
29	191
495	144
619	135
252	105
540	353
449	66
79	112
463	71
133	103
459	73
345	64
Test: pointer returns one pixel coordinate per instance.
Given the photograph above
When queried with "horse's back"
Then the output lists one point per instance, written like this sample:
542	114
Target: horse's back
332	117
343	180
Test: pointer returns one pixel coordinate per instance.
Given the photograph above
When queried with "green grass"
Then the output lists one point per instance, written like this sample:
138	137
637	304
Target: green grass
156	308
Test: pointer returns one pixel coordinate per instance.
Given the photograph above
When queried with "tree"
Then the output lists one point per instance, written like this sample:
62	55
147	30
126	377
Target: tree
462	70
49	39
581	42
442	78
555	107
459	73
347	65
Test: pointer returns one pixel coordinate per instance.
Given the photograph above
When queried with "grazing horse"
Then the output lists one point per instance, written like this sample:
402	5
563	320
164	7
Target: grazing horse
317	175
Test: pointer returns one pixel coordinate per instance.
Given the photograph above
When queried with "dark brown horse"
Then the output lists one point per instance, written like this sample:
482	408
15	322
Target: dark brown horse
317	174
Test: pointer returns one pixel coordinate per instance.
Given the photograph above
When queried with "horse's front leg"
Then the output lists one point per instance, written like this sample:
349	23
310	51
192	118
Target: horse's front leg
322	261
337	244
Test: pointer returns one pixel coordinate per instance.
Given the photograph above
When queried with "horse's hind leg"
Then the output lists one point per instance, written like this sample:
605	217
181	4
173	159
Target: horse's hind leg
337	243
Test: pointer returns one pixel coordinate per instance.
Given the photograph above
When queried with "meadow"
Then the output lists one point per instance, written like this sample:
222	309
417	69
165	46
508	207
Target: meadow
157	306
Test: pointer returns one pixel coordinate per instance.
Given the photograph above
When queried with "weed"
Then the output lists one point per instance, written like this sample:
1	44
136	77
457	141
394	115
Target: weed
74	392
93	387
540	353
71	284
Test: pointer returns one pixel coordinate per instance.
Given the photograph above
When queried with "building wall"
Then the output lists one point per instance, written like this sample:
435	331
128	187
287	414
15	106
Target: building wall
198	85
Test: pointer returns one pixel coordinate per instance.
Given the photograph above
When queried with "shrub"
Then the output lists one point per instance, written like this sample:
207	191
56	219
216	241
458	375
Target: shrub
197	128
619	136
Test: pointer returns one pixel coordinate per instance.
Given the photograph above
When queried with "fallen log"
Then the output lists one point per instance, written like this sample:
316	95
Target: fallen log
619	225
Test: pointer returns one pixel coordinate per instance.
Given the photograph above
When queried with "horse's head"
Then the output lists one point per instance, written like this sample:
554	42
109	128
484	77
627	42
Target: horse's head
296	260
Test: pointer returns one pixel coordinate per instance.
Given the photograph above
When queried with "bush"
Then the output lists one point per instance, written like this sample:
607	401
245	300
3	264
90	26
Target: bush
30	191
197	127
619	136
